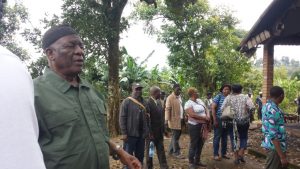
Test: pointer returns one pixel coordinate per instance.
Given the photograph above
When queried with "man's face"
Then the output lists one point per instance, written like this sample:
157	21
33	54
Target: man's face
67	55
177	91
209	96
162	96
281	98
226	91
157	94
137	92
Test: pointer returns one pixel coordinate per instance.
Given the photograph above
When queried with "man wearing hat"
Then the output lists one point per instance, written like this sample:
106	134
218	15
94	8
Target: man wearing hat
134	122
71	115
19	148
259	105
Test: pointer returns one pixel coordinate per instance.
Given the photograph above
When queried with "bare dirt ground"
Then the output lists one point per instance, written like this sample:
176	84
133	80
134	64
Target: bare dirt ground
293	142
207	158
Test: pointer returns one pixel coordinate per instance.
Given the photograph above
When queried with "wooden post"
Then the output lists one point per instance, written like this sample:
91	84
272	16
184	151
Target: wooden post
268	70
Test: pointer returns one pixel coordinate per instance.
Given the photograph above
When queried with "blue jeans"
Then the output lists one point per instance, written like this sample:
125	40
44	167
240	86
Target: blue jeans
221	133
135	146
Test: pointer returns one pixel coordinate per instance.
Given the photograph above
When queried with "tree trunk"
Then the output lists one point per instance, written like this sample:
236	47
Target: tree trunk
113	15
113	87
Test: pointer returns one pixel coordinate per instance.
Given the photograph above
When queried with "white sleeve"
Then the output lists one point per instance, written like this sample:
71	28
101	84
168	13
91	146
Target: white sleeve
19	148
188	105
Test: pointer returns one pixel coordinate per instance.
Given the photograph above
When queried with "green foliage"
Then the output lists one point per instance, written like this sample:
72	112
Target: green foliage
90	20
291	88
296	75
37	67
201	42
137	72
292	66
14	16
131	72
252	81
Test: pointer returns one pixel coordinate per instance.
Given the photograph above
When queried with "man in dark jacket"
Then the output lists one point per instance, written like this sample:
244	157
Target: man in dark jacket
134	124
156	112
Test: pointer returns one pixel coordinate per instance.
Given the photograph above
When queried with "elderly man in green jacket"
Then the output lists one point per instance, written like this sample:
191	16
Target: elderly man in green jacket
71	115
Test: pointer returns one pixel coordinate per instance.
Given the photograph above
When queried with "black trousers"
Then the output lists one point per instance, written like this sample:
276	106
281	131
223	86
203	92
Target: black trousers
135	146
196	143
174	147
160	151
259	115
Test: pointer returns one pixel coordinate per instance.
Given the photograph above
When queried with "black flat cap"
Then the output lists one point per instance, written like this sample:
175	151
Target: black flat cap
55	33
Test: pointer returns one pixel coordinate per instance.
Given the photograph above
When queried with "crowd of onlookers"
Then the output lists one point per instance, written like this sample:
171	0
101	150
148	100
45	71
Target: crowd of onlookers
200	117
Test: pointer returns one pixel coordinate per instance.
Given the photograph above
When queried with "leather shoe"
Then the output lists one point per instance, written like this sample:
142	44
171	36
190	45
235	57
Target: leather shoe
201	164
225	157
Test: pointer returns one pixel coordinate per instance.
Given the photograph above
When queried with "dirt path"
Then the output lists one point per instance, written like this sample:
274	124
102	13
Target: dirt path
251	161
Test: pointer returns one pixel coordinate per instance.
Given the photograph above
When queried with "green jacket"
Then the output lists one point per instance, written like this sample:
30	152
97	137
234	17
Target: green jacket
72	123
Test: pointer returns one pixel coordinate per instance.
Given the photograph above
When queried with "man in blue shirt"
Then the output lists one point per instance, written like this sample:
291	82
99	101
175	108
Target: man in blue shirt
274	132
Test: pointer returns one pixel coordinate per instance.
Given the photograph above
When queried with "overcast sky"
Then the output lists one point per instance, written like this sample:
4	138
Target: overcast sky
140	45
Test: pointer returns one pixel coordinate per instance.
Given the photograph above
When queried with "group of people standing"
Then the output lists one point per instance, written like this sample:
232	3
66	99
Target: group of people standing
145	120
273	127
236	128
142	120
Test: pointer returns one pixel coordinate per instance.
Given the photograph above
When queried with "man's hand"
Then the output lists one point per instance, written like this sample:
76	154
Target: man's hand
124	137
129	160
207	118
281	154
284	162
151	136
166	124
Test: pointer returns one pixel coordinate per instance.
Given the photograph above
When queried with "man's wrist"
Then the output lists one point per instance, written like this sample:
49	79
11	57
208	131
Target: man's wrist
116	152
282	157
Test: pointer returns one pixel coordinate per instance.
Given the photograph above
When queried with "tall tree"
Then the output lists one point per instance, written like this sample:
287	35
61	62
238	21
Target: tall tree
201	41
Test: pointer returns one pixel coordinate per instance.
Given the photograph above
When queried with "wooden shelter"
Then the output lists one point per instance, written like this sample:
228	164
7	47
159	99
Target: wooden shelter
278	25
